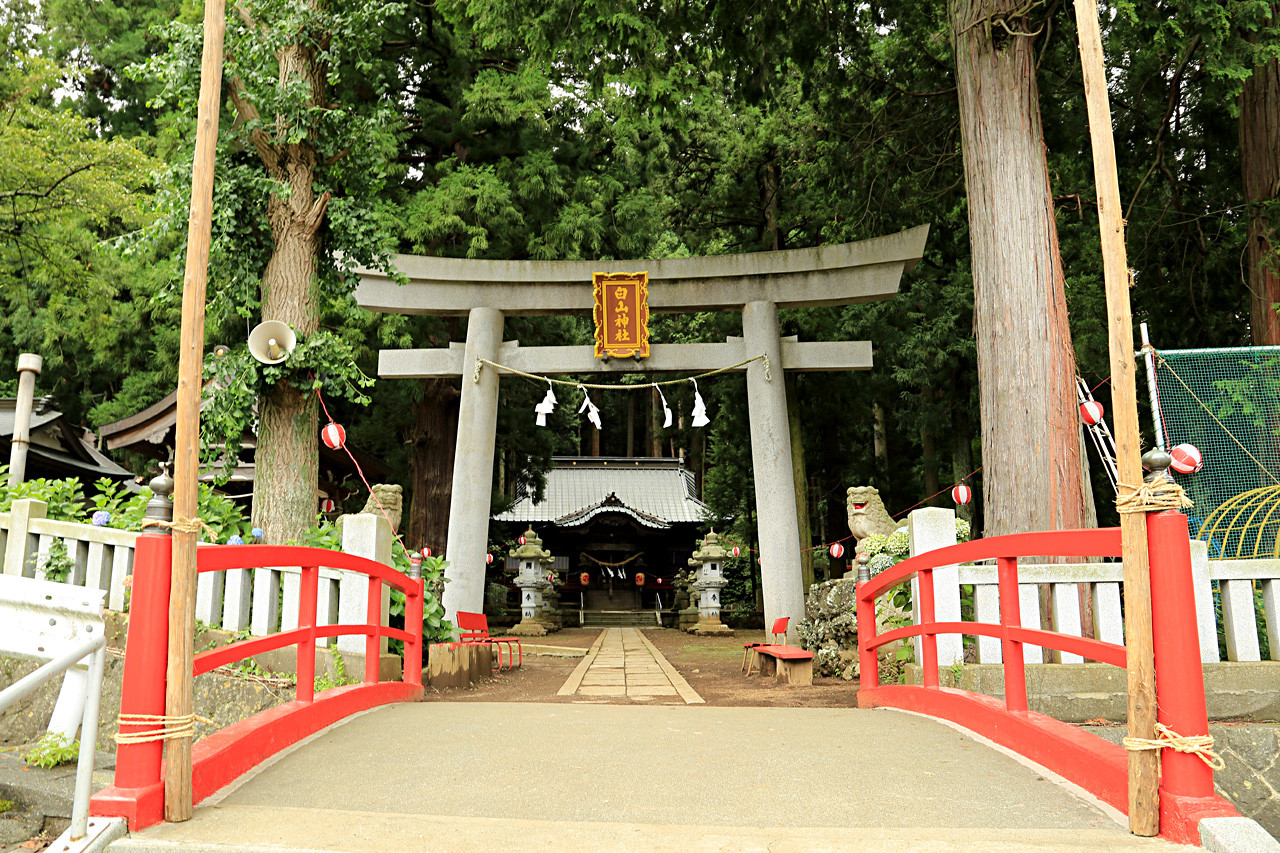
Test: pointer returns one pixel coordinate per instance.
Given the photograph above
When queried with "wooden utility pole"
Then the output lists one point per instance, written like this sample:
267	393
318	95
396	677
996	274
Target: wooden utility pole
182	597
1144	797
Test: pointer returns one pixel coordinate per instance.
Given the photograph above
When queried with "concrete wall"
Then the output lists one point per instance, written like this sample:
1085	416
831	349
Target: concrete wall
1244	690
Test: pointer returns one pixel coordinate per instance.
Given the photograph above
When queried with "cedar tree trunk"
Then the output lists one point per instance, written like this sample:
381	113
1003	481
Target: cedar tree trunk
1260	165
1026	363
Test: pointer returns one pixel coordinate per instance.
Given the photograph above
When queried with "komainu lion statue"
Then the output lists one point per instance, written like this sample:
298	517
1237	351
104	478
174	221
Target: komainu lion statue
867	514
384	498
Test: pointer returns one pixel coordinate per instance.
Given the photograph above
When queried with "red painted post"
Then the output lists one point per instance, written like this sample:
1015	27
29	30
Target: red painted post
413	605
868	660
306	667
928	641
1179	677
373	641
138	765
1015	673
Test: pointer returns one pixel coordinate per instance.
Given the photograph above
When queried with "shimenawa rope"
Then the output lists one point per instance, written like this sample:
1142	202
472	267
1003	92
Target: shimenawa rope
170	728
1158	494
1200	746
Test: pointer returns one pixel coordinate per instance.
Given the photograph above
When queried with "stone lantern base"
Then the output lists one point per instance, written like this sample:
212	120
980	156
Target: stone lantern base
528	628
688	619
711	628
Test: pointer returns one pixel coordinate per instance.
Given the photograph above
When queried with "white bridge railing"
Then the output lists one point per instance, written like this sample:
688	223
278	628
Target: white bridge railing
102	558
1235	580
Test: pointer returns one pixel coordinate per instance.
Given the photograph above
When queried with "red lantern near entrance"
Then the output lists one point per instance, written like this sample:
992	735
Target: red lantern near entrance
639	578
837	550
961	494
334	436
584	578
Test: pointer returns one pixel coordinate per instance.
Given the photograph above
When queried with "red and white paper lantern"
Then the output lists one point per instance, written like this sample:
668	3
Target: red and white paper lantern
1186	459
837	550
521	540
1091	412
488	559
334	436
737	552
426	552
584	579
961	494
328	505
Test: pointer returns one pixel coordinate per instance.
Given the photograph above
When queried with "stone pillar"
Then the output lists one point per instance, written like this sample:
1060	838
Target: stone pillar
779	526
932	528
365	535
473	467
29	365
709	561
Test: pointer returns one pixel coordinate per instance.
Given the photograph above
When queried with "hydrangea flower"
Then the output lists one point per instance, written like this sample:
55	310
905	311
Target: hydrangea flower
256	533
101	518
235	539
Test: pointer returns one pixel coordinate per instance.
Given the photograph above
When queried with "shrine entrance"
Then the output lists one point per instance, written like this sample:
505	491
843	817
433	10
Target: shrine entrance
756	284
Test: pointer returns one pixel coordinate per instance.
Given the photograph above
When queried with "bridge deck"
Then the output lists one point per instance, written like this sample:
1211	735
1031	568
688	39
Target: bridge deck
461	776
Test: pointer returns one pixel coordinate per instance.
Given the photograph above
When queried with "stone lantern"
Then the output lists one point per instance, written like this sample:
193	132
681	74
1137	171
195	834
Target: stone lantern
708	560
531	579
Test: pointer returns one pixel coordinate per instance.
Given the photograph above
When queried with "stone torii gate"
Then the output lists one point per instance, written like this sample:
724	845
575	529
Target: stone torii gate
756	284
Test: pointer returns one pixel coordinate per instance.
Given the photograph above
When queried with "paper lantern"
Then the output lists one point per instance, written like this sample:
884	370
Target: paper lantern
584	578
488	559
334	435
426	552
961	494
837	550
1091	412
1186	459
328	505
737	552
521	540
639	578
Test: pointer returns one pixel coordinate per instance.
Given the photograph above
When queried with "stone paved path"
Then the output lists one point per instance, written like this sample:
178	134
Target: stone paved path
623	664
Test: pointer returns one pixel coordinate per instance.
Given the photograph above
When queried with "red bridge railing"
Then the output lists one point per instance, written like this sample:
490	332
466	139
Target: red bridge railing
220	758
1099	766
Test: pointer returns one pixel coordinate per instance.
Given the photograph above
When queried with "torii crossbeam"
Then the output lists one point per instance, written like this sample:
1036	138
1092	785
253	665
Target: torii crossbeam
756	284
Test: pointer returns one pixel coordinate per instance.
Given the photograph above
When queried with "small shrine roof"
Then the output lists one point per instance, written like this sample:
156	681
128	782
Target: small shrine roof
656	492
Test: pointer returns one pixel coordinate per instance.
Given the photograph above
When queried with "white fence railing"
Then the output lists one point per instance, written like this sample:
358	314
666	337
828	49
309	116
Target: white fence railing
935	528
263	600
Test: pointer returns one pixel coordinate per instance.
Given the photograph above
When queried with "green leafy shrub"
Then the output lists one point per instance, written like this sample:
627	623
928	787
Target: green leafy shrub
64	497
52	750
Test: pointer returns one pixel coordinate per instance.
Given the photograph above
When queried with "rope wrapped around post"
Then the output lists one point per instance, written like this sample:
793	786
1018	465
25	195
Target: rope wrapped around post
1200	746
170	728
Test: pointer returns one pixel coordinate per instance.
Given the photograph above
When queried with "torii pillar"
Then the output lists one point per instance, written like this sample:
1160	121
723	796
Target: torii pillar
756	284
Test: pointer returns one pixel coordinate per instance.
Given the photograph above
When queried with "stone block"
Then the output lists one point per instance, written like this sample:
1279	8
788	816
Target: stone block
1235	835
449	666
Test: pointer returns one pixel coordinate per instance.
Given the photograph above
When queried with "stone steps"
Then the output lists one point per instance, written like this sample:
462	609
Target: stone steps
619	619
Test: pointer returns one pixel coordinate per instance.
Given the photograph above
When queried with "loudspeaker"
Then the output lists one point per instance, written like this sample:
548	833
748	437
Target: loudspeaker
271	341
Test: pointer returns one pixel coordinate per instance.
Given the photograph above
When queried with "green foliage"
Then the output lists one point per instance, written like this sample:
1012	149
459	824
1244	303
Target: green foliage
64	497
323	363
222	515
52	750
339	678
57	565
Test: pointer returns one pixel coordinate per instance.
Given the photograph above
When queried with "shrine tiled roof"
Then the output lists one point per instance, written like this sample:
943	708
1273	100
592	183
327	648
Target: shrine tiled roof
656	492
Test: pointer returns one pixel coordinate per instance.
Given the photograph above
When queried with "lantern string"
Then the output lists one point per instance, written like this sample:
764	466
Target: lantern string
618	386
372	494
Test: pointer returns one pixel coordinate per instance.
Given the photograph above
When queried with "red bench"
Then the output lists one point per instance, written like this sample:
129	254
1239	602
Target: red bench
474	630
779	633
786	663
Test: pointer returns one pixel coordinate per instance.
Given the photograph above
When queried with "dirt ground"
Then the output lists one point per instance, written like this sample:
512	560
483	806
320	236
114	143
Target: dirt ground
711	665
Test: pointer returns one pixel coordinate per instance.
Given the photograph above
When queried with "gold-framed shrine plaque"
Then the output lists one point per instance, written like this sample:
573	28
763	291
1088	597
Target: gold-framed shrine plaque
622	314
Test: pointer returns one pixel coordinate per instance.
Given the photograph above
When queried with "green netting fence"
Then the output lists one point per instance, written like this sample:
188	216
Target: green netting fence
1227	403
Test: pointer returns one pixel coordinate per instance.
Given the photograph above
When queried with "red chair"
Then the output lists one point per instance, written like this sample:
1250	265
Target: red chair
474	630
779	632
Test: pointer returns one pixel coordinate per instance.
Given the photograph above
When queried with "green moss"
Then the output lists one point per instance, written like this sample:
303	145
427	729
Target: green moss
7	806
